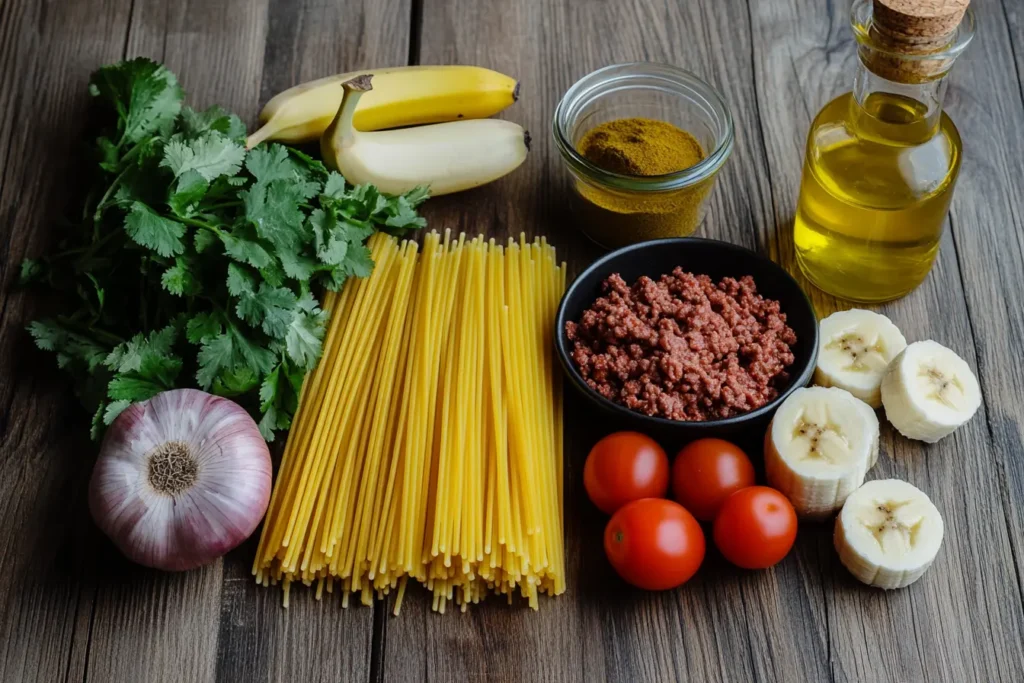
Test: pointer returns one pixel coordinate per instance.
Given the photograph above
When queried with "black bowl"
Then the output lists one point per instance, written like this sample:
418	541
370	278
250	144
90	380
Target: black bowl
716	259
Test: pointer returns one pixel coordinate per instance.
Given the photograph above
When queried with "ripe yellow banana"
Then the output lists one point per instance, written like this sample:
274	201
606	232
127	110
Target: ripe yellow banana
445	157
402	96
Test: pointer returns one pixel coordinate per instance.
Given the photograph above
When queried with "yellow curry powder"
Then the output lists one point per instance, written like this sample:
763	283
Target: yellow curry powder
640	147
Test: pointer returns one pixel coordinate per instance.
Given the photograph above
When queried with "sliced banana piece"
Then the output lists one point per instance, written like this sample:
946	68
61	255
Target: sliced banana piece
888	533
818	448
854	349
928	391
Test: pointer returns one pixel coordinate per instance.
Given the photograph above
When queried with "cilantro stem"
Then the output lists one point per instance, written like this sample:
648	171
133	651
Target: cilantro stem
222	205
196	223
103	203
91	331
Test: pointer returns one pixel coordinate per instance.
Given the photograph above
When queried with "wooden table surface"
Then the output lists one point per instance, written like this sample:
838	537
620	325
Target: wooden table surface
72	610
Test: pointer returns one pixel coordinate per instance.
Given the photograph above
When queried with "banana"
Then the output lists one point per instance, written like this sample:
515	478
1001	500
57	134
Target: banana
854	349
819	446
888	533
446	157
403	96
928	391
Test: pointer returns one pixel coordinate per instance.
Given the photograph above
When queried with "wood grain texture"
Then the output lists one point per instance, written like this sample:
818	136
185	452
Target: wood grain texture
970	600
46	53
70	612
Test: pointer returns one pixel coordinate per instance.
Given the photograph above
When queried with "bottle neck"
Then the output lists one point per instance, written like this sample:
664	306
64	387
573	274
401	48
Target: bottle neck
916	108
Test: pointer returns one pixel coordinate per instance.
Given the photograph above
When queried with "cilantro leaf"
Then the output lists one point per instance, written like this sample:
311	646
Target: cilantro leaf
304	335
216	355
312	169
270	163
360	262
114	408
145	95
32	270
133	389
126	357
254	355
188	191
237	380
245	250
240	283
140	350
268	389
335	185
273	208
48	335
297	266
401	213
195	123
272	308
179	280
203	240
417	195
227	351
211	155
269	423
203	326
153	231
335	249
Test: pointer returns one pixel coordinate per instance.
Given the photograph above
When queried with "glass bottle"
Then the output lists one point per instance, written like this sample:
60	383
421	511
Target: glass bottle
882	160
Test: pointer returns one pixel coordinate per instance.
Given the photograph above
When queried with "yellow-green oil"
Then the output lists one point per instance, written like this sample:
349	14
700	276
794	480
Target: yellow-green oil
877	182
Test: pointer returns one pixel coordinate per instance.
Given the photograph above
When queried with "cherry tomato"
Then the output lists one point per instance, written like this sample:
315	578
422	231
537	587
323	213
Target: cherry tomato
755	528
708	471
622	467
654	543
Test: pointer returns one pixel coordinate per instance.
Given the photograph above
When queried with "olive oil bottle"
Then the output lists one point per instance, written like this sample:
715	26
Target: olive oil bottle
882	161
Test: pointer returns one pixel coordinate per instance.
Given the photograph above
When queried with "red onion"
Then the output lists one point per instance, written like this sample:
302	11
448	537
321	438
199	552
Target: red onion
181	479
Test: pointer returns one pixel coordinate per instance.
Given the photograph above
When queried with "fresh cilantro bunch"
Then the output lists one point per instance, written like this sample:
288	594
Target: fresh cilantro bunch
196	262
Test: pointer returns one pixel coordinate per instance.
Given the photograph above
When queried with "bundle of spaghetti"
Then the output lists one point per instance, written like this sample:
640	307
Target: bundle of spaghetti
428	440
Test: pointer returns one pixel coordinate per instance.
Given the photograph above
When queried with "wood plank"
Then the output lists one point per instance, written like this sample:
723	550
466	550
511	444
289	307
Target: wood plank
988	226
216	50
46	54
970	600
1014	15
726	624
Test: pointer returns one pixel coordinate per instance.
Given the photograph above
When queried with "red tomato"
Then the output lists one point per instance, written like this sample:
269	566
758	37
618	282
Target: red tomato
707	472
654	544
755	528
622	467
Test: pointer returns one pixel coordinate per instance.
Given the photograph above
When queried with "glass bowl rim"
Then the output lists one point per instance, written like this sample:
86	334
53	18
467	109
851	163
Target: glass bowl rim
671	75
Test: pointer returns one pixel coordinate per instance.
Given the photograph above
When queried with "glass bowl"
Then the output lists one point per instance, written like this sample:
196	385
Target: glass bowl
614	209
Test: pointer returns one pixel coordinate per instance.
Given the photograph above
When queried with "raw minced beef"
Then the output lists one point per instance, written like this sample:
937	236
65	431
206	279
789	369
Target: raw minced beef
683	347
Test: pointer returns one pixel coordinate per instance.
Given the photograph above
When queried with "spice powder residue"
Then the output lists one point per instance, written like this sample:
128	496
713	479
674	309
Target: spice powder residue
643	148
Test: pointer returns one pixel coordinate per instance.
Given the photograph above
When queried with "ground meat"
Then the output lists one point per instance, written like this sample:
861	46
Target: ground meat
683	347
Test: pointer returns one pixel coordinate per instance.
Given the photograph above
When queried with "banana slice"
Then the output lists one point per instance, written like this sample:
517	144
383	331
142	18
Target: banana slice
854	349
928	391
818	448
888	533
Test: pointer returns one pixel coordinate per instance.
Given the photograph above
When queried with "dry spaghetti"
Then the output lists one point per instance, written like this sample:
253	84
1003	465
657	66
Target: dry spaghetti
428	441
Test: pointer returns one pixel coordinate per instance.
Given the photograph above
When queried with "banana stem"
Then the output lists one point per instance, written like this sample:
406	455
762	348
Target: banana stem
341	132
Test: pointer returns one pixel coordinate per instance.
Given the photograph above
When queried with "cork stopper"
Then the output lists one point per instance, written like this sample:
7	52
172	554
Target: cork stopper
918	22
914	28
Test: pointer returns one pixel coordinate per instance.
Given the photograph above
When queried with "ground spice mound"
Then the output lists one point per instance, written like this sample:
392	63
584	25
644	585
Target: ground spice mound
640	147
683	347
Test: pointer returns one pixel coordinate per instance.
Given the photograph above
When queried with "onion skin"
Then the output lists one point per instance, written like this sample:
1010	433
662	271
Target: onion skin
201	523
